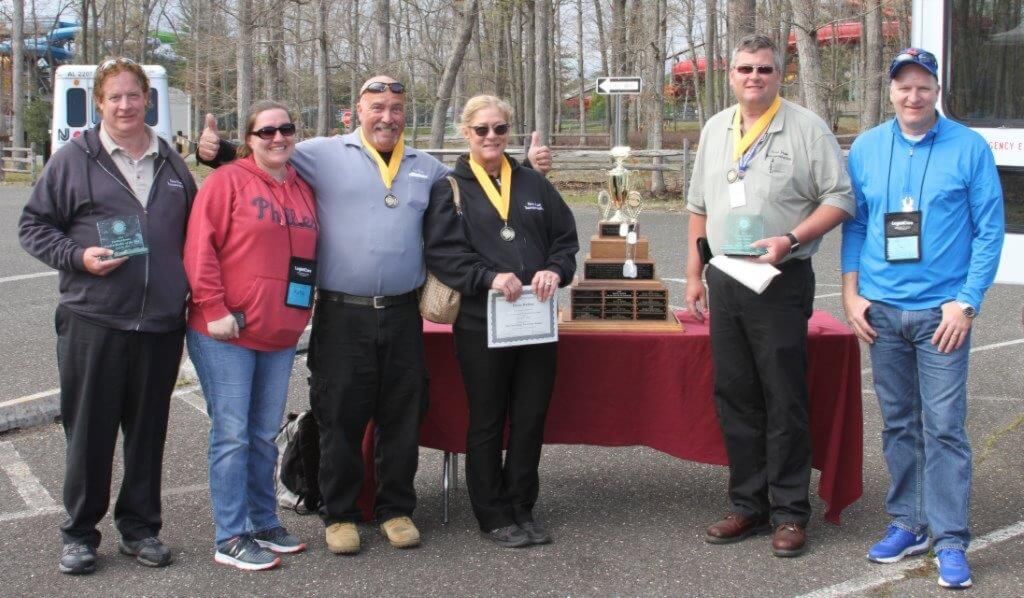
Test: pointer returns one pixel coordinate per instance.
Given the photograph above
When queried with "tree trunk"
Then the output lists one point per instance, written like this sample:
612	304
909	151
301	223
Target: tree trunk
17	70
656	101
710	55
742	15
275	56
530	67
451	70
871	108
243	78
382	18
582	75
804	15
542	110
353	81
323	97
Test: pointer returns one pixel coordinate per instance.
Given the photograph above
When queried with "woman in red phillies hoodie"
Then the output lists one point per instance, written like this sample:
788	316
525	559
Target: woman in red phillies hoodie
250	257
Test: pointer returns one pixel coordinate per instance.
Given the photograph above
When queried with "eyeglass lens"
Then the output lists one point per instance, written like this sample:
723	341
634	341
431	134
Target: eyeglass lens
481	130
266	133
762	69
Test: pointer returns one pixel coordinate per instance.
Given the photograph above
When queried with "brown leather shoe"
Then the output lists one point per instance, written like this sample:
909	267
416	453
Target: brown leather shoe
734	528
788	540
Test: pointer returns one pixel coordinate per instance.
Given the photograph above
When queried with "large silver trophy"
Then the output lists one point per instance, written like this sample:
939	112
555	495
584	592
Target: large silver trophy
622	204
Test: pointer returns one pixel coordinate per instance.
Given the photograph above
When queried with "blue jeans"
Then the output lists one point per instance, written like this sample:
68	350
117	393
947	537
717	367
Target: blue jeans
922	394
245	391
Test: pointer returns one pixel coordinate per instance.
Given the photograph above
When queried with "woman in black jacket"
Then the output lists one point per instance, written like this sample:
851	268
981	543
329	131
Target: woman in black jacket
513	229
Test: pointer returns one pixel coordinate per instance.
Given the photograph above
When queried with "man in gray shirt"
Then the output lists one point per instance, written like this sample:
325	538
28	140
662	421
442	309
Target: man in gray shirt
771	163
366	350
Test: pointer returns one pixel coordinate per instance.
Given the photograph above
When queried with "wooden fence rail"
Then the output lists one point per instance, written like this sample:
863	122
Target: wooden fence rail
21	160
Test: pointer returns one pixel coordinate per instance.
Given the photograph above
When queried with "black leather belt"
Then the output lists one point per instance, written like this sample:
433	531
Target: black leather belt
377	302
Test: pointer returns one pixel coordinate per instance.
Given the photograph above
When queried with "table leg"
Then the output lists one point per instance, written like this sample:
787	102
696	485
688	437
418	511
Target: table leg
445	484
455	471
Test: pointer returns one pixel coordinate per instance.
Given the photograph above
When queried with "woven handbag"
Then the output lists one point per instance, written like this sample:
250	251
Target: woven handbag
439	302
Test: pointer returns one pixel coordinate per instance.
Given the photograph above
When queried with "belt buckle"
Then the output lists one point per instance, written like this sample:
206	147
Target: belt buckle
378	302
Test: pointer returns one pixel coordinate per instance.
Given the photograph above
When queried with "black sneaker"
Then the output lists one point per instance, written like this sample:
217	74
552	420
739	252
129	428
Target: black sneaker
150	552
77	559
535	532
510	536
244	553
279	540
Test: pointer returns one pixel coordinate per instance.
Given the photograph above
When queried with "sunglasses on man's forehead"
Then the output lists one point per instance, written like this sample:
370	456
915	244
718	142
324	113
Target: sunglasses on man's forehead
268	133
106	64
380	87
762	69
499	130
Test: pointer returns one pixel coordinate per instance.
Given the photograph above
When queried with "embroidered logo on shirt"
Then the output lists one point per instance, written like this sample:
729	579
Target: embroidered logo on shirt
533	205
418	175
175	183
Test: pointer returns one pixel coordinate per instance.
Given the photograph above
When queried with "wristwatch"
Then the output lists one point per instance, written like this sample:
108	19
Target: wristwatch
969	311
794	243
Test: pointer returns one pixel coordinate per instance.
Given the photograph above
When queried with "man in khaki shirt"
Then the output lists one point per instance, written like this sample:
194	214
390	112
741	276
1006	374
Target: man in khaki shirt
766	163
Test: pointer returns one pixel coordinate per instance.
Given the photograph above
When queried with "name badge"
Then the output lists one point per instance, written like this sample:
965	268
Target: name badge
737	194
301	280
903	236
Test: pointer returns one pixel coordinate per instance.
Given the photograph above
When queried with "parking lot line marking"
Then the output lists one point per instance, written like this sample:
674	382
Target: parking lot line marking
188	395
894	573
27	485
28	276
29	513
977	349
31	397
826	295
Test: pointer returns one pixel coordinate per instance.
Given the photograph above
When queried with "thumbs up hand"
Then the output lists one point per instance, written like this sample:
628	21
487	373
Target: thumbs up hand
209	141
539	155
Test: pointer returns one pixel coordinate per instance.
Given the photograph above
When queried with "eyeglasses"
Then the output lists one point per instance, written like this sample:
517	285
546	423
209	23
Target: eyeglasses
499	130
268	133
106	64
380	87
762	69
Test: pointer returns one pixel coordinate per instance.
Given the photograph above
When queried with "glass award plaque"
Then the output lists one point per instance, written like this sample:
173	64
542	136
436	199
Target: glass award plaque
122	235
742	230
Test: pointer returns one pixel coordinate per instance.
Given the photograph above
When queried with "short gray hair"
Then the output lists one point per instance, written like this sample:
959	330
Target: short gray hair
754	42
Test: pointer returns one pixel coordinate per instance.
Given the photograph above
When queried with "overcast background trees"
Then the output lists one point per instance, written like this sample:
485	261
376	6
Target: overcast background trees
538	54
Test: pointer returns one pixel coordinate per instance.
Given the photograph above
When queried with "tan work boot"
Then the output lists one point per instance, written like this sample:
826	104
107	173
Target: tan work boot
342	538
401	532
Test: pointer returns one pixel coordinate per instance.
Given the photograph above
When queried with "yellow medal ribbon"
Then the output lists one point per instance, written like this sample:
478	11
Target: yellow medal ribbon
388	171
500	201
742	144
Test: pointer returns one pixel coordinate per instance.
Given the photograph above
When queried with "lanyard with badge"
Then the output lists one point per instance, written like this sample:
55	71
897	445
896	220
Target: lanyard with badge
301	271
903	228
745	147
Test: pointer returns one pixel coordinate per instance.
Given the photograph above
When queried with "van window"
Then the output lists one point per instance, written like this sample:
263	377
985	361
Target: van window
151	111
76	105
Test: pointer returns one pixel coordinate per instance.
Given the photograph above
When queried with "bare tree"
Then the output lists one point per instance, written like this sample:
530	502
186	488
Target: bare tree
656	94
742	15
582	75
543	71
382	20
871	108
243	77
804	20
443	97
17	69
323	99
710	55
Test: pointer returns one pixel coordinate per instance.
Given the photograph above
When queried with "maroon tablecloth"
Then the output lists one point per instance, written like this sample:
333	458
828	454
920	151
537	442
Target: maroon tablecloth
655	390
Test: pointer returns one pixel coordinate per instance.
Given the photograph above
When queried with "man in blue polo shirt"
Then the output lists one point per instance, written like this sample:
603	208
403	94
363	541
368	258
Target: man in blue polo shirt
917	260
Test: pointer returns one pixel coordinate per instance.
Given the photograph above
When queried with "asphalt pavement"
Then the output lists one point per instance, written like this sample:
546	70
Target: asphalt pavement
626	521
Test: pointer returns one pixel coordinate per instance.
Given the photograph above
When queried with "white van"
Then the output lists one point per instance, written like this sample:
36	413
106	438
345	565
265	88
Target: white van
74	110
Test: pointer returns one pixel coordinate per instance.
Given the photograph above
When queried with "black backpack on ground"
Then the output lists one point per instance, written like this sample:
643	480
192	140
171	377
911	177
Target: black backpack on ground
298	464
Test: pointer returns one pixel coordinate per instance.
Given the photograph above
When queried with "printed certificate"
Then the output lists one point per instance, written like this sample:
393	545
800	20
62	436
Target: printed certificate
528	321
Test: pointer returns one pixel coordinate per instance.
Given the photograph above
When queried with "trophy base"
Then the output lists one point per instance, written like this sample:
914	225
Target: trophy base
615	248
669	324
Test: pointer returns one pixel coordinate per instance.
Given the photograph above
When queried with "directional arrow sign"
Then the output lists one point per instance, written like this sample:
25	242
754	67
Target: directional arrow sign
618	85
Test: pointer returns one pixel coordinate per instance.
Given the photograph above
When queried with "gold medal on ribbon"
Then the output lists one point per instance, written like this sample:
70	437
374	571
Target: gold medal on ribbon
500	200
389	170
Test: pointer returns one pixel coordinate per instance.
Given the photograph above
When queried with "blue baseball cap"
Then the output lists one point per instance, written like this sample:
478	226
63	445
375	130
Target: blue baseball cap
922	58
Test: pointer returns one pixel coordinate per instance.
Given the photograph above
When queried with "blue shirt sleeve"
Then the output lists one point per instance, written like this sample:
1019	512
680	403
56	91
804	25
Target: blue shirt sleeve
854	229
988	225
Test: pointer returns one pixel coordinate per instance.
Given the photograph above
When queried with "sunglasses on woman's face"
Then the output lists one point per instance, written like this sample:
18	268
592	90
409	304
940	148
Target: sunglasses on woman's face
499	130
268	133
